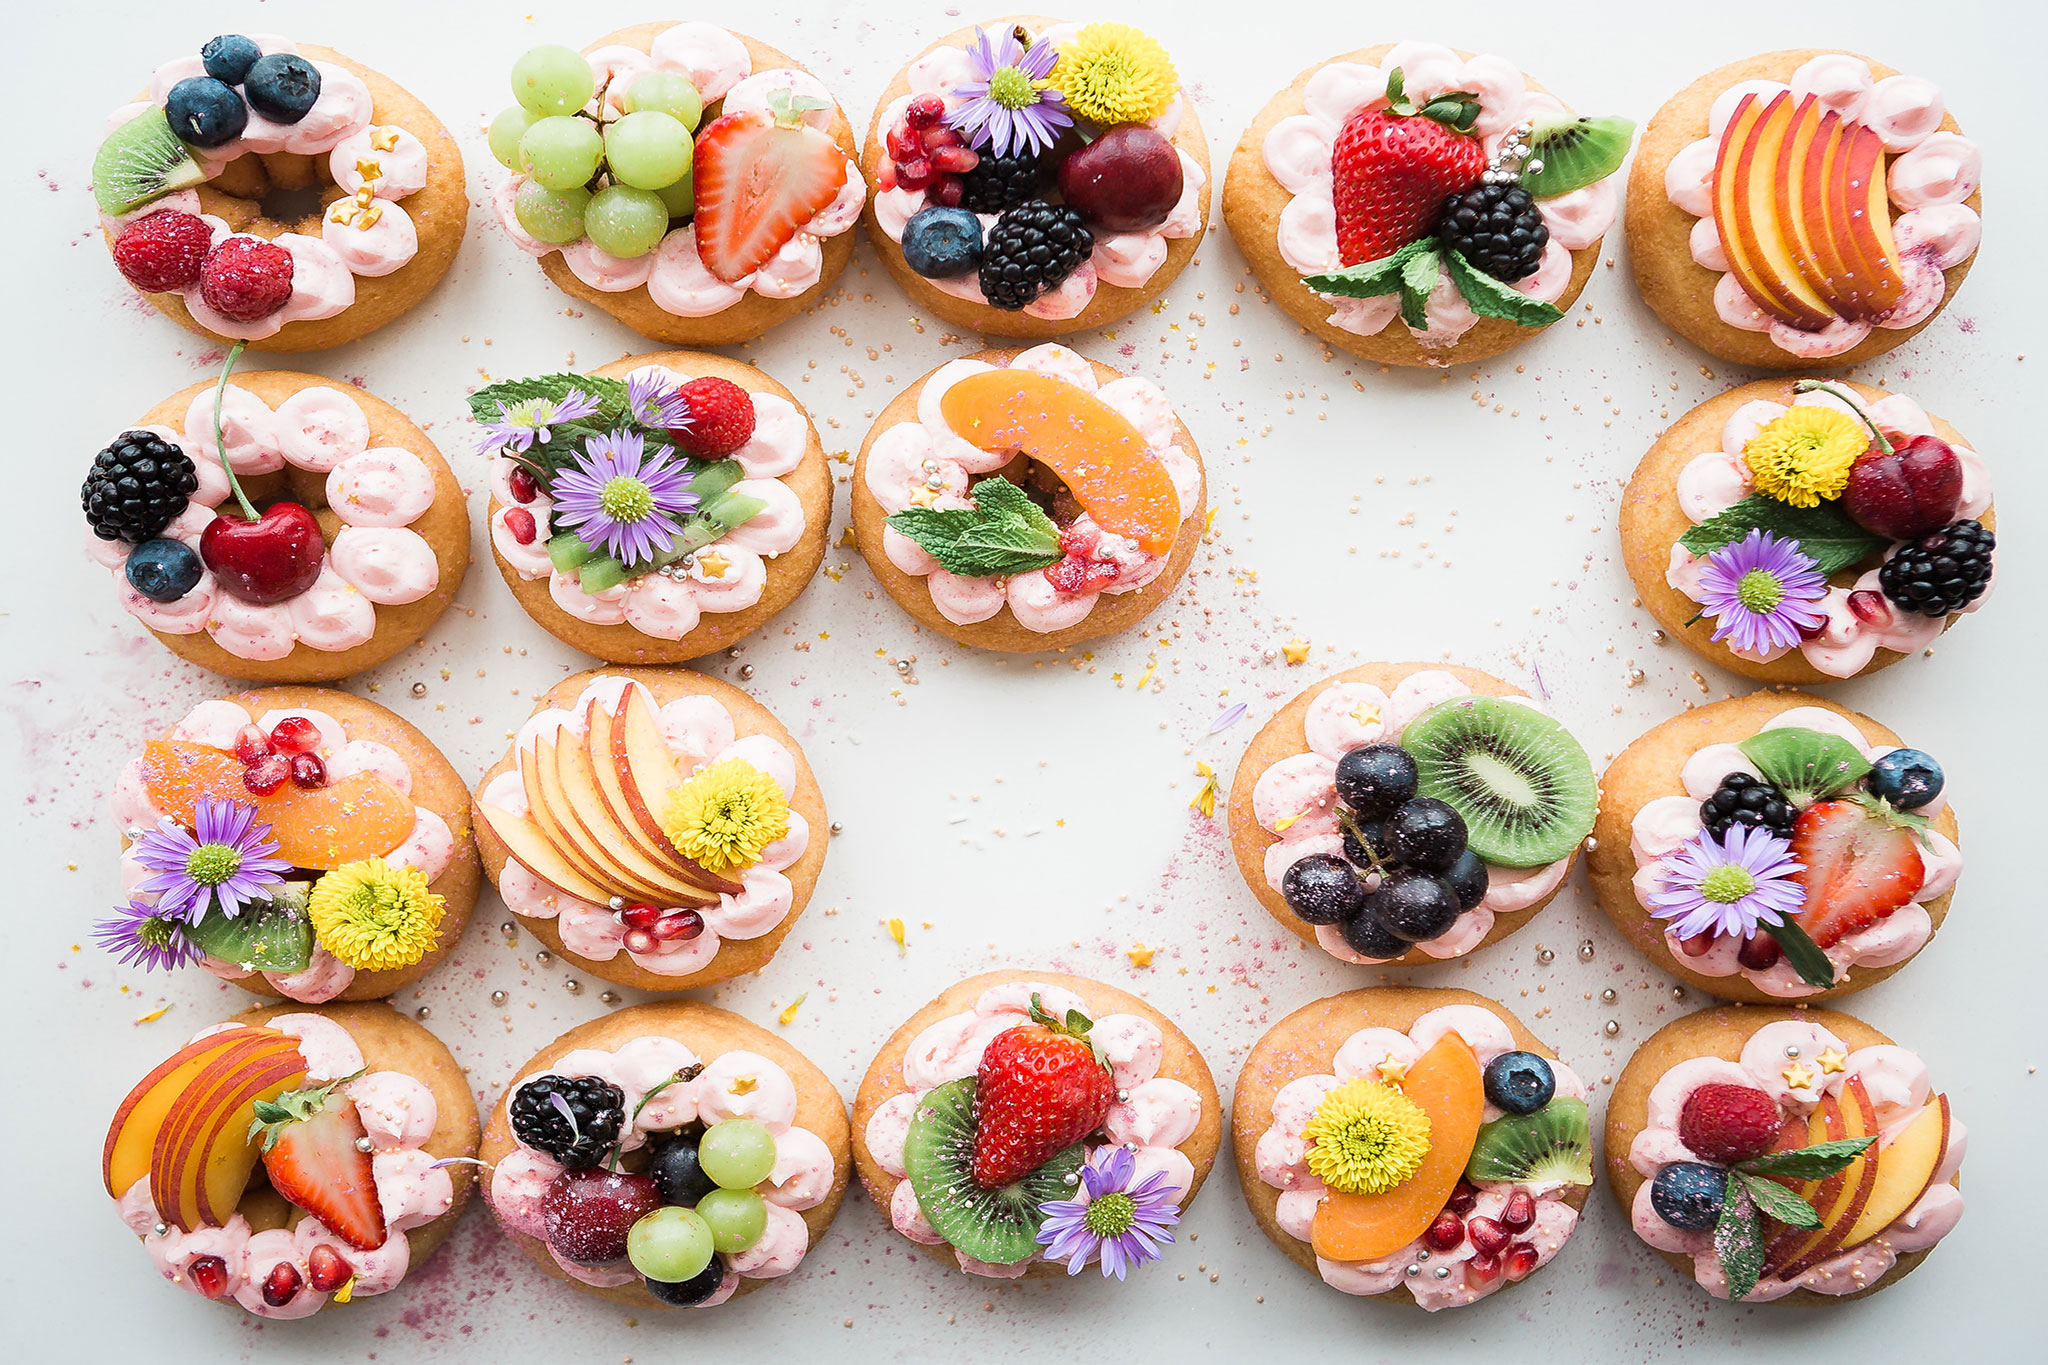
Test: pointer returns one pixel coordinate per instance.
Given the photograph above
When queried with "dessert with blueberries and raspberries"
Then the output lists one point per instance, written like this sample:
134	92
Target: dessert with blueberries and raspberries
1035	178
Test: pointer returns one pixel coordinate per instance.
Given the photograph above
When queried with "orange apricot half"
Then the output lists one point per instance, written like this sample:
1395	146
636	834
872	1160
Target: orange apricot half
359	816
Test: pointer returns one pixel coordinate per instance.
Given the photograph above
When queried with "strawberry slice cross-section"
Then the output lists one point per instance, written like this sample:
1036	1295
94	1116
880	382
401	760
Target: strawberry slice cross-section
1861	865
760	176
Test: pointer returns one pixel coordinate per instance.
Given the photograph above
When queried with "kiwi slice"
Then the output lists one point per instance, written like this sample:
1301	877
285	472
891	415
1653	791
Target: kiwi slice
140	161
996	1226
1575	152
1523	784
1554	1145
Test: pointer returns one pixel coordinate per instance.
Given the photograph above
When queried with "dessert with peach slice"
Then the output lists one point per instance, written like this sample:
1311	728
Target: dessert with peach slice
1840	1198
360	816
200	1162
131	1137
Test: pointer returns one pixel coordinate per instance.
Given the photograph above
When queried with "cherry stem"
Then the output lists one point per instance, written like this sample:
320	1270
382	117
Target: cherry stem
220	444
1834	390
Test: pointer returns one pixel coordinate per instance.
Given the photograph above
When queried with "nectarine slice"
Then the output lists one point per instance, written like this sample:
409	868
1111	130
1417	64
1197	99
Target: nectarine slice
1445	1082
124	1159
359	816
532	850
1845	1193
200	1161
1096	452
1905	1170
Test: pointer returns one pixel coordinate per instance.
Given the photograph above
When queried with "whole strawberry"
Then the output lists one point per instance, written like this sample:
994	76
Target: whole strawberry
1042	1087
1394	167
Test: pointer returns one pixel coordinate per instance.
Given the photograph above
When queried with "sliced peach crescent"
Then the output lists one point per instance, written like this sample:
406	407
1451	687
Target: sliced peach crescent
1860	217
577	774
1446	1083
1094	448
548	807
202	1157
358	816
1746	214
623	807
1798	201
1842	1196
1905	1171
646	774
530	849
124	1158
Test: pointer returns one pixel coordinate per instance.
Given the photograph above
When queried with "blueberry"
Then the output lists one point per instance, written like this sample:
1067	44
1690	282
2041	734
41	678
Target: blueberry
1519	1082
940	243
1366	845
1322	889
677	1172
1373	779
229	57
1426	833
693	1291
1414	906
1687	1194
1466	877
163	570
204	112
1907	778
1365	935
282	86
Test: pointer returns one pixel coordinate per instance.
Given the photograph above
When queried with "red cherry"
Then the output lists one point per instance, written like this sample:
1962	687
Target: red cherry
1488	1237
1520	1211
1870	608
209	1275
1906	492
525	488
640	941
271	559
281	1284
308	772
640	916
1520	1260
326	1270
251	745
1463	1197
1447	1233
1759	953
1127	180
295	735
924	110
267	774
586	1214
1482	1269
679	925
521	524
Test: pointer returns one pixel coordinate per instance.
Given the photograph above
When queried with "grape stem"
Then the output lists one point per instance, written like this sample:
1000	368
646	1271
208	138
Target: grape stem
220	444
1834	390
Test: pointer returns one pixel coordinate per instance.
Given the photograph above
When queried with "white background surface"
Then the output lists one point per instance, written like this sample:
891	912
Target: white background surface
1032	812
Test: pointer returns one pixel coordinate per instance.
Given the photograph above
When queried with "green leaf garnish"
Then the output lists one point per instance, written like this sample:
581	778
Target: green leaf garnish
1775	1201
1824	532
1418	281
1817	1162
276	936
1003	533
610	393
1815	967
1739	1238
1368	279
1492	298
1806	765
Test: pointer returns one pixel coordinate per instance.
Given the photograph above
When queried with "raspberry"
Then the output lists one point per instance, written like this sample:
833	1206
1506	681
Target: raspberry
246	279
162	252
1728	1123
721	418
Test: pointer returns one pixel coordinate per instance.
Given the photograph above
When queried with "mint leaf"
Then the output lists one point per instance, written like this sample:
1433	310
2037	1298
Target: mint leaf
1808	1163
1777	1202
1003	533
1824	532
1805	765
272	937
1739	1239
1368	279
1492	298
611	393
1815	968
1419	275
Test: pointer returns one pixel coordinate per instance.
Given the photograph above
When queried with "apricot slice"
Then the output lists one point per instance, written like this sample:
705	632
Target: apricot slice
1092	447
1445	1082
360	816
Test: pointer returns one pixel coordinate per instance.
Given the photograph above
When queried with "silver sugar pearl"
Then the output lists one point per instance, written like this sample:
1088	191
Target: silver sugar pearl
1413	1270
573	986
1442	1272
616	903
422	1012
1070	1179
1422	1255
1536	167
497	997
1658	637
162	1229
1591	843
1586	950
543	957
1609	995
1545	956
1792	1051
1610	1028
363	1144
746	671
419	689
610	997
1678	992
1268	656
838	828
1123	1097
1525	127
733	653
509	929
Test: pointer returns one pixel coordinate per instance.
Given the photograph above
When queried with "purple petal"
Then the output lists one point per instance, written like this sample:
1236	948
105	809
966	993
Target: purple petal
1229	718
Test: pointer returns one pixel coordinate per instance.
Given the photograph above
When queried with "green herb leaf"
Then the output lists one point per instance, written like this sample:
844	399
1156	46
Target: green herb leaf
1815	968
1808	1163
1003	533
1492	298
1824	532
272	937
1739	1239
1806	765
611	394
1777	1202
1368	279
1418	281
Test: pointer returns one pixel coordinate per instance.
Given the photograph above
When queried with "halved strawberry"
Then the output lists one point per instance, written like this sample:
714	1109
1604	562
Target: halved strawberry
316	1154
1862	864
760	176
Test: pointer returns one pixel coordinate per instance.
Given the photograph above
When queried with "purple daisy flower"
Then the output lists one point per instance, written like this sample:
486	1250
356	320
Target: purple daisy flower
1125	1223
1728	886
522	424
621	501
1762	591
652	402
224	861
1008	109
143	935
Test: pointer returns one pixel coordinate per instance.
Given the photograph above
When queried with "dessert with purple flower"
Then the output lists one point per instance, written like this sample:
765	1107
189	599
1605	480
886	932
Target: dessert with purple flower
1775	847
1806	531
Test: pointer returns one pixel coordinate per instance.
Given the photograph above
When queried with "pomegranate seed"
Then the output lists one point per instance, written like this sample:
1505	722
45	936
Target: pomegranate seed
946	192
1698	945
924	110
1463	1197
885	175
904	144
267	774
209	1275
294	735
1520	1260
934	138
525	488
1482	1270
1814	630
326	1271
251	745
640	916
679	925
521	524
281	1284
954	160
308	772
1519	1213
1759	954
914	173
640	941
1870	608
1488	1237
1447	1233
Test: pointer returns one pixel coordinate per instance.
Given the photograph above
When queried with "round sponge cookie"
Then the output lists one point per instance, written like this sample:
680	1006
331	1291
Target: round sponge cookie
1180	1062
710	1033
1650	768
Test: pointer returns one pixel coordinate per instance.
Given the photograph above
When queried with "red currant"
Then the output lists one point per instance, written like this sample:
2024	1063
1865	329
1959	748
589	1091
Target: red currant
294	735
251	745
521	524
209	1275
308	772
267	774
679	925
282	1284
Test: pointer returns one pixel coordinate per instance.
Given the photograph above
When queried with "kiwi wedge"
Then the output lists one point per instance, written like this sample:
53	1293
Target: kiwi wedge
1000	1226
1522	783
141	160
1553	1146
1574	152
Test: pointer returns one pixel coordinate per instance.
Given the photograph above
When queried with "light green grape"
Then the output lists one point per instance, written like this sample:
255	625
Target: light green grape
681	197
737	1218
553	80
552	216
506	129
665	92
738	1153
562	152
670	1244
647	150
626	222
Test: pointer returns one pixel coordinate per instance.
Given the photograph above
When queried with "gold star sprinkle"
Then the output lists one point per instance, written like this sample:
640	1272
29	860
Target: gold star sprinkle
384	139
1798	1077
1140	955
743	1085
714	563
1296	651
1205	799
1392	1070
921	496
369	169
1365	713
366	196
366	218
1833	1061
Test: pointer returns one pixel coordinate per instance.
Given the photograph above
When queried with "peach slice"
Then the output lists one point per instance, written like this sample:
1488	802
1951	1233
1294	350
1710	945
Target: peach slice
578	779
548	810
124	1159
645	773
1746	213
1365	1227
1904	1172
360	816
202	1157
1841	1197
531	849
624	807
1089	444
1859	219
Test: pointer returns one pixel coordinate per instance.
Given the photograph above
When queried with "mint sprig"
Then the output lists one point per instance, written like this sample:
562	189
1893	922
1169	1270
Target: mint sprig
1817	1162
1003	533
1369	279
1806	765
1824	532
1751	1196
1775	1201
611	394
1739	1238
1492	298
1413	272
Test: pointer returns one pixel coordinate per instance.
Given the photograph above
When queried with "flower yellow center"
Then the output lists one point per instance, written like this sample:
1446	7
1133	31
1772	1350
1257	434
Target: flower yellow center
1012	89
1111	1215
1727	884
375	916
1366	1138
1759	590
212	864
1804	456
626	499
726	816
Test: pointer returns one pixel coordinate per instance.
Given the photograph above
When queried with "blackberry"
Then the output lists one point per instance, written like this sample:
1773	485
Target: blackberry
1941	572
1031	249
580	1138
136	487
1498	228
1745	800
1002	182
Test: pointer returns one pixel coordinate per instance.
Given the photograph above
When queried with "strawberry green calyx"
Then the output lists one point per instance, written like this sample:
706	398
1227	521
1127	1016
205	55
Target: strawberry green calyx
1075	1025
1457	109
294	1106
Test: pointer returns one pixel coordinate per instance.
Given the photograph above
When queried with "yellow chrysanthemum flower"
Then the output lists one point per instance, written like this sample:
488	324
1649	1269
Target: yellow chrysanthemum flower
1113	73
1366	1138
1805	455
375	916
725	816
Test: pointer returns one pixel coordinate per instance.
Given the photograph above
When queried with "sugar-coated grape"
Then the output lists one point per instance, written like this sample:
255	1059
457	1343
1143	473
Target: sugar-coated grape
552	216
647	150
681	197
669	1244
553	79
737	1218
506	130
626	222
562	152
738	1153
665	92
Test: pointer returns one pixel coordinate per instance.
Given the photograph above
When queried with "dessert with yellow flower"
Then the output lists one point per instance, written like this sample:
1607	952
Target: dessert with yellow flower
655	827
1805	531
296	841
1414	1146
1029	1125
1036	177
1782	1155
